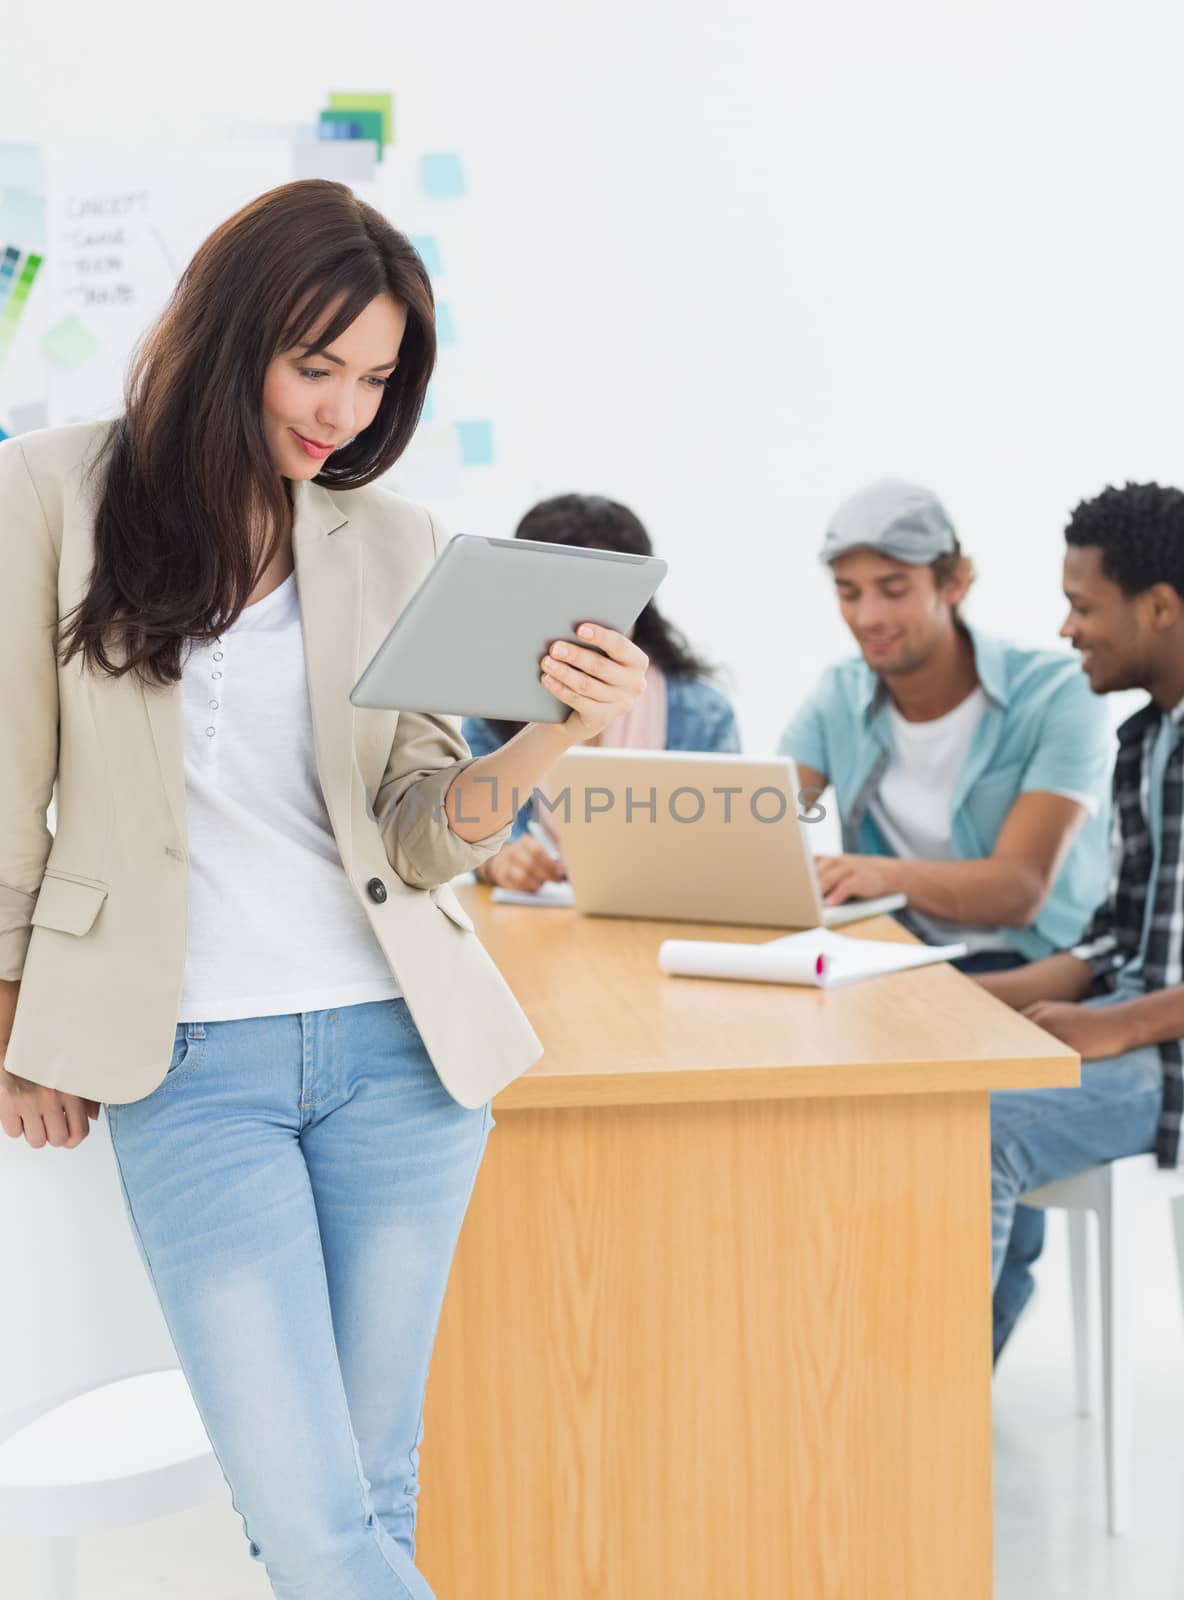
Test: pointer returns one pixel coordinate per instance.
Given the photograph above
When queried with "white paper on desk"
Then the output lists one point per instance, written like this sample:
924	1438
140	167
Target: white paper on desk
548	894
818	957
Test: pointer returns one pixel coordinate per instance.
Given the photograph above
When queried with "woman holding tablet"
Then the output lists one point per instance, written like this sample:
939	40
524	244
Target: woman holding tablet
679	710
240	937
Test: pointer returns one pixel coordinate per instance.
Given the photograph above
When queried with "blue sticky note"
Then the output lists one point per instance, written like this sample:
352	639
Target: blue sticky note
428	248
442	175
22	218
338	130
428	414
445	327
476	443
3	436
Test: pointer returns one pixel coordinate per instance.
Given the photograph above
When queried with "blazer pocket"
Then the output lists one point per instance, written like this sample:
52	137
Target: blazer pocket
70	905
446	899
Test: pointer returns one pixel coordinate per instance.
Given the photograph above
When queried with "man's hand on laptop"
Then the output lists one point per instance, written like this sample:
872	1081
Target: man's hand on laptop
523	865
842	878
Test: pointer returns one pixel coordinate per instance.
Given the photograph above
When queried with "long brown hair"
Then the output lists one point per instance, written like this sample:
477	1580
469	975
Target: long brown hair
191	507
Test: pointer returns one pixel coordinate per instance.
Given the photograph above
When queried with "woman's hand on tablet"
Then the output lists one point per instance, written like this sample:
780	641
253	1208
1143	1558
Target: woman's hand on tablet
598	688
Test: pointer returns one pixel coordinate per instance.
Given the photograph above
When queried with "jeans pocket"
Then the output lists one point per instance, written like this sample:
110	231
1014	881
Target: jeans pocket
403	1017
187	1048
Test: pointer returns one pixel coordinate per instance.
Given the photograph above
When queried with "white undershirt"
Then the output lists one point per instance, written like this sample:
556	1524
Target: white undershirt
913	806
274	925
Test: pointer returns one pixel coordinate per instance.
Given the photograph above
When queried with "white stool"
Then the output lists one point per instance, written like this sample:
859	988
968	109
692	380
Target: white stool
1115	1192
98	1429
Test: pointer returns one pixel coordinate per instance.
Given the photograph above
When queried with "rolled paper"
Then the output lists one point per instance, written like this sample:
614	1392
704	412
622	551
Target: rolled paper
756	963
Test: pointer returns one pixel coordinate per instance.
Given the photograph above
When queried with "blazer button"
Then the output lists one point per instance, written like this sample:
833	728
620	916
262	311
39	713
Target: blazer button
376	889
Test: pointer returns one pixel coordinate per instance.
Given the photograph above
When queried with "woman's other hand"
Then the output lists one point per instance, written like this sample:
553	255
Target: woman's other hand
598	688
43	1115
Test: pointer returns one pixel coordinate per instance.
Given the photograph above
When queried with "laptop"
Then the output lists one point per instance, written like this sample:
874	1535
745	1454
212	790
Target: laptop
684	836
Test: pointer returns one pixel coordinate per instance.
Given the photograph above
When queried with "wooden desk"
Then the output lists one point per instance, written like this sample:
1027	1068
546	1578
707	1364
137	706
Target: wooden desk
719	1322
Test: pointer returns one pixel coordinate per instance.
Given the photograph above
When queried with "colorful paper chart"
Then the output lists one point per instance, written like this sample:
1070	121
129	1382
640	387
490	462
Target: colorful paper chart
382	103
364	125
16	281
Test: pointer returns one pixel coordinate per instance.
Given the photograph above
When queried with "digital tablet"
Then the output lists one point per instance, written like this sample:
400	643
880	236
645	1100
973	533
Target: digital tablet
470	640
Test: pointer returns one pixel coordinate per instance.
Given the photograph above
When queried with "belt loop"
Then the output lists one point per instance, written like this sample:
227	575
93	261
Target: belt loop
195	1030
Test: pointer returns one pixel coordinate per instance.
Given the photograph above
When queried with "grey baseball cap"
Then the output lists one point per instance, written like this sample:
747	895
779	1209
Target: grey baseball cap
894	518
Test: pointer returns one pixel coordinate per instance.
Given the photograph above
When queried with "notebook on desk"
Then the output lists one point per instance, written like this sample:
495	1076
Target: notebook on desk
682	836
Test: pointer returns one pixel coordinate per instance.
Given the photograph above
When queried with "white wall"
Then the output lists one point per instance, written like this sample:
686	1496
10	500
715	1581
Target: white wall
728	261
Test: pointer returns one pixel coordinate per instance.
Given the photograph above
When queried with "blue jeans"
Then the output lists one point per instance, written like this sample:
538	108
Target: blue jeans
295	1187
1041	1135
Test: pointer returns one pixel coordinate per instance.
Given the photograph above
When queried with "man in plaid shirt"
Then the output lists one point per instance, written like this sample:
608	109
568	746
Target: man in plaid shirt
1117	997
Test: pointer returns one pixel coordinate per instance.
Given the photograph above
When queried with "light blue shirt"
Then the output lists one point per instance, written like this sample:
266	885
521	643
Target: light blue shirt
1043	729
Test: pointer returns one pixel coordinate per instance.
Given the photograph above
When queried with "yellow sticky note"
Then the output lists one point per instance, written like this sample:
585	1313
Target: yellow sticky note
341	101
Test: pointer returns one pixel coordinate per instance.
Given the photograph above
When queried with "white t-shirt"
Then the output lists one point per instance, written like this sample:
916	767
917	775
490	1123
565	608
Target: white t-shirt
274	924
913	806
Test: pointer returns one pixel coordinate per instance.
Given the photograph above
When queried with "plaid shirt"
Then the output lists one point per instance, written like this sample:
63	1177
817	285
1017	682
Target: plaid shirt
1114	935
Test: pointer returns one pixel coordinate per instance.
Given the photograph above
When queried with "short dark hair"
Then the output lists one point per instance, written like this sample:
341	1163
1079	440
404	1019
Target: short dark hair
594	522
1139	530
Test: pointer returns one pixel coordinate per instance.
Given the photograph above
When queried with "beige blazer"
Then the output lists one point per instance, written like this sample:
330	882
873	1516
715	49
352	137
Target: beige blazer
93	917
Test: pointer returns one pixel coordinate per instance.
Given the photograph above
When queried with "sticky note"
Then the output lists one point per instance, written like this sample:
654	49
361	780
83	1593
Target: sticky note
476	443
445	327
441	175
22	218
3	436
382	103
428	249
22	166
70	342
428	414
338	130
25	418
342	160
365	125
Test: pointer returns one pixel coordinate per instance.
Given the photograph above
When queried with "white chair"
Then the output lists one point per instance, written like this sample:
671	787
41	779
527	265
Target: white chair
97	1426
1117	1193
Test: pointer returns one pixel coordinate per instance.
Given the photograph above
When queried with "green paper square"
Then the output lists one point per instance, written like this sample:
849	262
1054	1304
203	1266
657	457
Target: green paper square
368	122
70	342
383	103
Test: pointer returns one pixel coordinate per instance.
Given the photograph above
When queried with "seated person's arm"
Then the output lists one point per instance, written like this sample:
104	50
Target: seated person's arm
1059	977
811	787
1008	887
1005	889
1095	1032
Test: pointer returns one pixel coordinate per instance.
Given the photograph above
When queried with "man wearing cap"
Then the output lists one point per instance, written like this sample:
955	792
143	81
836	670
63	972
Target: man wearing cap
970	774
